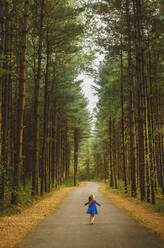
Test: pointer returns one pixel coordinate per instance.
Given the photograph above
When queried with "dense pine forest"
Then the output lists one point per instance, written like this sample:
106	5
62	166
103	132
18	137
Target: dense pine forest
129	131
48	137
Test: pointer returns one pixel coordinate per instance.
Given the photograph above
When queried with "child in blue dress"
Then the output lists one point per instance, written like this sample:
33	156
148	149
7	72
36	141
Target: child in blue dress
92	210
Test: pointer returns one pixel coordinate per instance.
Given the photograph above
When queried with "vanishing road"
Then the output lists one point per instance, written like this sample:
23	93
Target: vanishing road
69	226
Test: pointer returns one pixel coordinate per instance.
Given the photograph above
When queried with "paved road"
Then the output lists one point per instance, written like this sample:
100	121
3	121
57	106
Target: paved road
69	226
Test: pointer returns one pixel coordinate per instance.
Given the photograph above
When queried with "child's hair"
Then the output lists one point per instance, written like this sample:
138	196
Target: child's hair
90	199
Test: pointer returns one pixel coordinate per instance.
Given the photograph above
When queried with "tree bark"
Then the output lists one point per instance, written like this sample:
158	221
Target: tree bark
137	7
131	109
53	146
46	124
35	189
110	154
114	154
122	124
76	144
21	103
149	111
2	35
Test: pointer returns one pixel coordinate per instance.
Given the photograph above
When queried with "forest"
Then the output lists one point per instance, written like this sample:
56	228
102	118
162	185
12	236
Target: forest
48	137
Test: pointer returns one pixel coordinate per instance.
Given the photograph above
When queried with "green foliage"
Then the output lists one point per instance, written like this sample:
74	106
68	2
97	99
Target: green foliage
25	201
69	182
62	37
158	207
120	190
118	75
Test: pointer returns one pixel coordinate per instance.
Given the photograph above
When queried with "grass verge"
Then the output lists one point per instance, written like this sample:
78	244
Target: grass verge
14	228
141	211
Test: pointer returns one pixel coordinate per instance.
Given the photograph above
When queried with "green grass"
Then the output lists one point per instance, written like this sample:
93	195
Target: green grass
120	189
159	206
69	182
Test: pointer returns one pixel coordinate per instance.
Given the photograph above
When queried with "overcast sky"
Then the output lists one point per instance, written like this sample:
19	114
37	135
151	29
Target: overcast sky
88	91
88	82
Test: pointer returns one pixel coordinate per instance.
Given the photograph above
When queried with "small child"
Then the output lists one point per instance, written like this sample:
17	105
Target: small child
92	210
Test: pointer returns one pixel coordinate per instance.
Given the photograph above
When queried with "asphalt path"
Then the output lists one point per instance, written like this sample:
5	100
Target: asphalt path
69	227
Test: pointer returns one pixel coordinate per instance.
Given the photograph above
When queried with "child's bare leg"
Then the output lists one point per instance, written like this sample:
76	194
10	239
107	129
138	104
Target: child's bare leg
92	218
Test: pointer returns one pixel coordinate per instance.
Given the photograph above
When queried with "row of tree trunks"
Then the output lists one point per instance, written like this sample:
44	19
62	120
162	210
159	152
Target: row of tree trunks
76	147
131	109
53	146
141	97
110	155
22	82
122	122
35	187
44	186
36	135
140	85
2	35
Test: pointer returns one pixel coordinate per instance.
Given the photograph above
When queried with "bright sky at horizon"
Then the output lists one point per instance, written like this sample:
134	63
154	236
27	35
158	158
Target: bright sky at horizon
88	91
88	82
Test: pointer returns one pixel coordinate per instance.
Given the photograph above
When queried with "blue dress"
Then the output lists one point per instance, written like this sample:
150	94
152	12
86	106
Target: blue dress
92	209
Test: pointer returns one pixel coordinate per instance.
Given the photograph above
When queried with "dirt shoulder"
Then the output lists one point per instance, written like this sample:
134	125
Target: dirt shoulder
14	228
135	208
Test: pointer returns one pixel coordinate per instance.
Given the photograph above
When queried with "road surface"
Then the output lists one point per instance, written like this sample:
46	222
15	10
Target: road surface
69	227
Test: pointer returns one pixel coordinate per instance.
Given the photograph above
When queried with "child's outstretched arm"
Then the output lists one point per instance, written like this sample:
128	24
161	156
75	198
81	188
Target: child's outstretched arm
98	203
85	203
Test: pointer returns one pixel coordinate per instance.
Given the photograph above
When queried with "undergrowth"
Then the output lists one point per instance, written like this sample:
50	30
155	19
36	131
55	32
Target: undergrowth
26	200
158	207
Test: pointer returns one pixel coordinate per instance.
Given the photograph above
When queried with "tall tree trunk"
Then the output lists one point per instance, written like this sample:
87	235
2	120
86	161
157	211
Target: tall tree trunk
131	110
35	176
150	147
150	129
76	144
5	101
1	54
66	152
160	144
58	151
1	167
61	156
122	124
50	152
46	123
53	146
105	165
147	161
10	93
2	35
21	103
137	7
114	154
162	158
110	154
